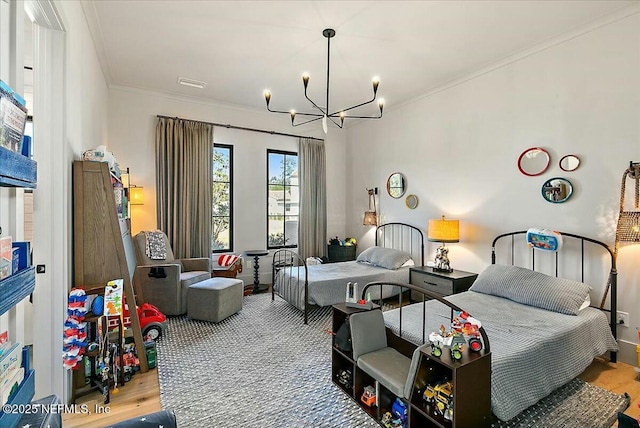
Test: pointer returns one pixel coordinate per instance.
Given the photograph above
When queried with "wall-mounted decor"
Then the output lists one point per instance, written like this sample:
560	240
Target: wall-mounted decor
534	161
569	163
396	185
371	215
411	201
557	190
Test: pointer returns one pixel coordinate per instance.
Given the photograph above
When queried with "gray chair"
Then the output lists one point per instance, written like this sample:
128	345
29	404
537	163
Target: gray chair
164	283
392	369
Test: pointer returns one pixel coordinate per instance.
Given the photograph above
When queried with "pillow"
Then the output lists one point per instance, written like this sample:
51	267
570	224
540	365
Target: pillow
532	288
227	259
387	258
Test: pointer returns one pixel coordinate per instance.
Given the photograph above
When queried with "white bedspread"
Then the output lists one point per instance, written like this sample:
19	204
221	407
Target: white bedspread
328	282
534	351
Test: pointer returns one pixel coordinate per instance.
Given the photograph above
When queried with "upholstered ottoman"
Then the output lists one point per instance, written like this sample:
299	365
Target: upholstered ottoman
214	299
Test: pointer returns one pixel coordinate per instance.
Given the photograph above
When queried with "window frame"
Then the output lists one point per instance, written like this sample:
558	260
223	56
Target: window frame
231	204
285	153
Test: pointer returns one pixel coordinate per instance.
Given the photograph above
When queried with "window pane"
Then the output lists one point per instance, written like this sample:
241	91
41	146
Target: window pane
220	233
291	230
276	231
276	201
221	164
221	199
276	168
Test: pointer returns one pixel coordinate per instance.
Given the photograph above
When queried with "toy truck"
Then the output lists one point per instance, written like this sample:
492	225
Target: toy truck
152	321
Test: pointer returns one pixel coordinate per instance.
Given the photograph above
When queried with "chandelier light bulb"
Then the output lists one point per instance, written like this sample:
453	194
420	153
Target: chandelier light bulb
267	96
305	79
375	82
324	124
381	105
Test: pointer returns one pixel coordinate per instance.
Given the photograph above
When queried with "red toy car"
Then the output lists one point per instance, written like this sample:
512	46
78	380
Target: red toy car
152	321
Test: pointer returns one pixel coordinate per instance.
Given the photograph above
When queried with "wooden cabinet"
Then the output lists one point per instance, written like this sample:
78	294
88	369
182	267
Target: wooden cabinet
98	252
442	283
470	380
341	253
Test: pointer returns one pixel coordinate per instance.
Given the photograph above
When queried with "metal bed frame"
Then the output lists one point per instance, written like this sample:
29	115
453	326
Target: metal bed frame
400	236
610	286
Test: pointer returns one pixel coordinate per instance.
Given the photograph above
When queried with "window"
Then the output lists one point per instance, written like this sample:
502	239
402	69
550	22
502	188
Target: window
283	199
222	200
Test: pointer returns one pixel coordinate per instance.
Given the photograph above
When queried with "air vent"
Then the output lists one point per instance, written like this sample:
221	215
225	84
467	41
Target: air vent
190	82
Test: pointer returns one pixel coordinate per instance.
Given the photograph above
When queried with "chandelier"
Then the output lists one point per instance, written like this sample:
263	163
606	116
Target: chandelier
324	113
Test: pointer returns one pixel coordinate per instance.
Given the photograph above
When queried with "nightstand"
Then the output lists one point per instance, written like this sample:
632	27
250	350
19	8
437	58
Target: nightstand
442	283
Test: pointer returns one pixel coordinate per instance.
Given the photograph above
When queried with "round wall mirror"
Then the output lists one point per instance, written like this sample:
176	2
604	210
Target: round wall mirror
411	201
569	163
533	161
557	190
396	185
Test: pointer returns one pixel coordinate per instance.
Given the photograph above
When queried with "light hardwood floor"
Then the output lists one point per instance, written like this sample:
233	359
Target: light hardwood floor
142	395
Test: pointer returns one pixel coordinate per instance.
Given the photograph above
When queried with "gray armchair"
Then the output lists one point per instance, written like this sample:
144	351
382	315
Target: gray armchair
164	283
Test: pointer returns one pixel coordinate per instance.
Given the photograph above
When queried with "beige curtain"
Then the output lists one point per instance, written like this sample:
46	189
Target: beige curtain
312	227
184	151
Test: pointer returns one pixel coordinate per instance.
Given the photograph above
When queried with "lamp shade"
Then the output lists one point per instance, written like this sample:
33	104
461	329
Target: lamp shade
370	218
628	229
136	196
442	230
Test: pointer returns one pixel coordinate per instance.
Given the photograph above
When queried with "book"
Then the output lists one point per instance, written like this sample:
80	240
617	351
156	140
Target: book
6	257
13	117
24	254
10	361
11	386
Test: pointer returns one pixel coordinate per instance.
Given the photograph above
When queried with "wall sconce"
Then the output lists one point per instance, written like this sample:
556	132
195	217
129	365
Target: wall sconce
444	231
628	229
371	217
136	195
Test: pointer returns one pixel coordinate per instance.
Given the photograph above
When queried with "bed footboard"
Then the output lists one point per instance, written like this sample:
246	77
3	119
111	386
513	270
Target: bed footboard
298	272
426	295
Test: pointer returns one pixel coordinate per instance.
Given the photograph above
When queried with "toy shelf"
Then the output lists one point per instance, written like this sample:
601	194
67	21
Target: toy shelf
16	287
17	170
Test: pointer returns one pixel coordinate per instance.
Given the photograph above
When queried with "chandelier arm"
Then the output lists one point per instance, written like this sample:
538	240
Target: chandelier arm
314	104
339	125
308	121
335	114
297	114
363	117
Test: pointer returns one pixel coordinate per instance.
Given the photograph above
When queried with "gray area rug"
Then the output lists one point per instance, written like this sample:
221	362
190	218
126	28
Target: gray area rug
264	368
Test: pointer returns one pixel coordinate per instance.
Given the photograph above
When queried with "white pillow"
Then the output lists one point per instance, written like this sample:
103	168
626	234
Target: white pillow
388	258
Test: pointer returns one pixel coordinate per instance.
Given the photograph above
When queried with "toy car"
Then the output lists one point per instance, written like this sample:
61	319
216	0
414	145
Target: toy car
152	321
344	377
368	396
456	351
440	395
389	421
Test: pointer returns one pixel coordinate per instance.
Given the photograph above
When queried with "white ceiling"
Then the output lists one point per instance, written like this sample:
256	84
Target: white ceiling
241	48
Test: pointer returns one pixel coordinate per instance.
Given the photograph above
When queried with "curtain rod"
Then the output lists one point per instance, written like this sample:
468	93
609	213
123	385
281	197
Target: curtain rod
243	128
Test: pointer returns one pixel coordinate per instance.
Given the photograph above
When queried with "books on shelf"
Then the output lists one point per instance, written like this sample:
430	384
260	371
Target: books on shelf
6	257
10	362
13	117
11	385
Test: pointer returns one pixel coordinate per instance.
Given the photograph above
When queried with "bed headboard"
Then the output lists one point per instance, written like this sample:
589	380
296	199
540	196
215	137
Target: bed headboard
596	250
402	237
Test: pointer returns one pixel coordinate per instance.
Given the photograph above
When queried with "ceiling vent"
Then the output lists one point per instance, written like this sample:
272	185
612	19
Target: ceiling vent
192	83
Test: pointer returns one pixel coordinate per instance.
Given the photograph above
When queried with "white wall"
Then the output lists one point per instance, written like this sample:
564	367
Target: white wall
70	115
458	149
132	122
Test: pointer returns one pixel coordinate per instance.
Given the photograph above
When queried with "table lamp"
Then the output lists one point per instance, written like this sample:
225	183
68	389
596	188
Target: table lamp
444	231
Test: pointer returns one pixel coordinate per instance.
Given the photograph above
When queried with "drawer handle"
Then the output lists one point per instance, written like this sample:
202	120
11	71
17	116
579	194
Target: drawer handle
430	283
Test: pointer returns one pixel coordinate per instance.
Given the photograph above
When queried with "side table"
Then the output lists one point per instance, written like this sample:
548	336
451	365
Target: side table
256	254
